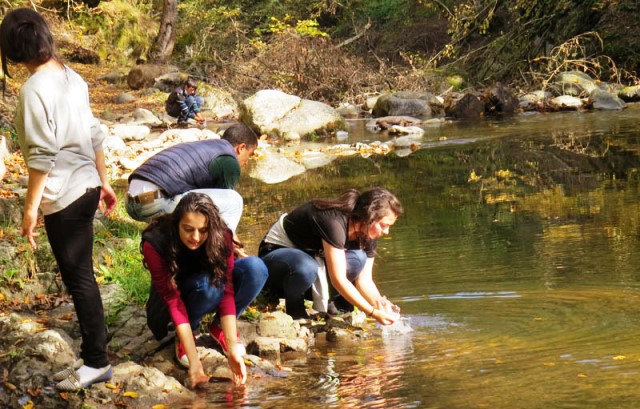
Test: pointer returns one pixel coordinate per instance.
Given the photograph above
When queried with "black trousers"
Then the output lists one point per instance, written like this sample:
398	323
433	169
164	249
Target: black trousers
70	233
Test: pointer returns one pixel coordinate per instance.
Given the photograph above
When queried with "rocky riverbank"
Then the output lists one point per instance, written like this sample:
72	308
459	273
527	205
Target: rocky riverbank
40	341
38	332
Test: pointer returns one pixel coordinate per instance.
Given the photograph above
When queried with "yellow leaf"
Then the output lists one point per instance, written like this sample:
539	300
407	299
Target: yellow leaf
378	357
10	386
537	319
473	177
549	364
581	375
159	406
110	386
131	394
619	357
1	297
28	405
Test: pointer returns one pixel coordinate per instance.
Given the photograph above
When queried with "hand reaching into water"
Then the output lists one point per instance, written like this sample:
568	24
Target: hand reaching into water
236	363
197	376
387	306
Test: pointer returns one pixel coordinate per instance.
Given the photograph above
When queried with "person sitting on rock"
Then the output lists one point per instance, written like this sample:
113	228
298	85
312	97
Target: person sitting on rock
184	104
189	254
334	238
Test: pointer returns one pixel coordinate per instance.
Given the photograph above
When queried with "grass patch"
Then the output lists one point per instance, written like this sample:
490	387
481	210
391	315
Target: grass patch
118	258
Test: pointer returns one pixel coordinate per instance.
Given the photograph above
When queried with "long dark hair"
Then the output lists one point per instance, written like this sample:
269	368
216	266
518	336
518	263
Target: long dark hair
25	37
216	250
367	207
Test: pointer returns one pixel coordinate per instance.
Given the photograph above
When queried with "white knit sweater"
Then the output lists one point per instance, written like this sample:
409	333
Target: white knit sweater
59	135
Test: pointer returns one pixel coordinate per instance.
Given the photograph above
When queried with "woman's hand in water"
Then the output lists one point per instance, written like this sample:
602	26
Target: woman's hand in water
197	376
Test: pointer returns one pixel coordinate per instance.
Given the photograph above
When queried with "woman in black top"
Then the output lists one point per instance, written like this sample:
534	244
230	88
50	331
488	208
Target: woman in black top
340	233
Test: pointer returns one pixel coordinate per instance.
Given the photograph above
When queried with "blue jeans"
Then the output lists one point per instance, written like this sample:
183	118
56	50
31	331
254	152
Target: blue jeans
292	272
193	103
200	297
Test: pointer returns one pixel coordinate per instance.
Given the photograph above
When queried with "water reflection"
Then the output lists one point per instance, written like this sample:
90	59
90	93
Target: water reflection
521	283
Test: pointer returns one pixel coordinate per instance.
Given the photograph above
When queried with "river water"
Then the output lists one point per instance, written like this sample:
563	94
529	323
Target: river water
515	261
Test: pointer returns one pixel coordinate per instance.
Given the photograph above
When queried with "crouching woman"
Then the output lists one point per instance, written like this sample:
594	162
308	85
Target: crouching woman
189	254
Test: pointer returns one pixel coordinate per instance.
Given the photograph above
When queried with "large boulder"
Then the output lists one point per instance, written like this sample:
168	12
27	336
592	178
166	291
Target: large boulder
499	100
170	81
575	83
414	104
218	101
276	113
534	101
630	94
566	103
604	100
144	75
463	105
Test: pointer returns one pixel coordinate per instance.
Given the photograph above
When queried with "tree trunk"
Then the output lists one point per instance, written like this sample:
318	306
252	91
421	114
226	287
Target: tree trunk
163	47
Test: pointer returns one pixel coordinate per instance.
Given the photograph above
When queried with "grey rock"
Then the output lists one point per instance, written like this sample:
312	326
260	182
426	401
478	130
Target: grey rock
123	98
604	100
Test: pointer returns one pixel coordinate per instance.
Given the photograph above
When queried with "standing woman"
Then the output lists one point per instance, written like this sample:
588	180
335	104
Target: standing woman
342	232
189	254
61	143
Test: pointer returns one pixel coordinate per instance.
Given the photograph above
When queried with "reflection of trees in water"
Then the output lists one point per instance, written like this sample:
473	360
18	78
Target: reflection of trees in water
580	144
374	379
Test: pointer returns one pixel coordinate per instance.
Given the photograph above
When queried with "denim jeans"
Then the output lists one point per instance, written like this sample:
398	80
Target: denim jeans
292	273
228	201
193	103
70	233
200	297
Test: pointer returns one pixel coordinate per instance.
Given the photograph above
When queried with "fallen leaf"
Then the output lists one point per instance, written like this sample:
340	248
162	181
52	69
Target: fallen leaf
159	406
28	405
34	392
10	386
581	375
131	394
619	357
110	386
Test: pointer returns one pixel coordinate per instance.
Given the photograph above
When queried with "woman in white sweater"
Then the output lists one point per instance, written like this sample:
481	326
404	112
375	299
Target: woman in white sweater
61	143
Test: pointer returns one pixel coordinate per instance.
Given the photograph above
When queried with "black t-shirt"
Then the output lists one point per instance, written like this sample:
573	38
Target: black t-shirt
307	226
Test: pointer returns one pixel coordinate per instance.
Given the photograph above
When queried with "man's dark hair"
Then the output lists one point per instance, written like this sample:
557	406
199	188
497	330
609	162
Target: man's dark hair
191	82
240	133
